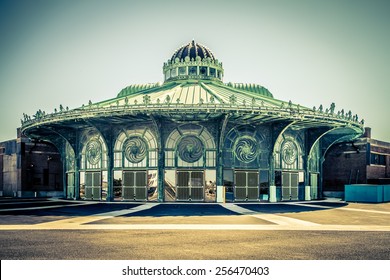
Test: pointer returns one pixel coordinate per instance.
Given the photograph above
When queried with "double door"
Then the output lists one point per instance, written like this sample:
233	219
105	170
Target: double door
93	185
246	186
290	182
190	185
134	185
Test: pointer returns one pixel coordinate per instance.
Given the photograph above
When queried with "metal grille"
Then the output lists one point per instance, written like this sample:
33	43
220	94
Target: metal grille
93	187
134	185
294	186
182	193
88	192
127	192
246	186
140	193
88	179
96	193
285	186
197	193
240	179
240	193
190	186
253	193
290	186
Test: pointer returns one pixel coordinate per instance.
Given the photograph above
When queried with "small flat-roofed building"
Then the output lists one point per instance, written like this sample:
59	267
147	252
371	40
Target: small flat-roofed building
361	161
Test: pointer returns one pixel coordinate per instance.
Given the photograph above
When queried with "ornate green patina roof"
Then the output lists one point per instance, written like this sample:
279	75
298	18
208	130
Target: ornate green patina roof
195	96
145	88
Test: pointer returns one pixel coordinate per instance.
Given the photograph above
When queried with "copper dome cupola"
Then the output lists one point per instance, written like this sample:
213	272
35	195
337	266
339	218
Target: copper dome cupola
193	61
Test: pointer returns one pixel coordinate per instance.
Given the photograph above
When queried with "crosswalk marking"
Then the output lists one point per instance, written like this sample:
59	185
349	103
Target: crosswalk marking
66	223
276	219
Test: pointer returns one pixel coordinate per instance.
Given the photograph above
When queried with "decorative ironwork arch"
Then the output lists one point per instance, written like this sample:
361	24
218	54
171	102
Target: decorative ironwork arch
190	145
244	146
93	152
289	153
135	148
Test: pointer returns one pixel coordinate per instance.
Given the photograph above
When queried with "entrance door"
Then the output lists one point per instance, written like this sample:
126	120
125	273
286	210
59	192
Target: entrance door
246	186
134	185
93	186
190	186
290	186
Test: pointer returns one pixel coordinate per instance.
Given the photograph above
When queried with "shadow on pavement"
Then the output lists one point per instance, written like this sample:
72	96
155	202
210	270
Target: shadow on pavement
69	209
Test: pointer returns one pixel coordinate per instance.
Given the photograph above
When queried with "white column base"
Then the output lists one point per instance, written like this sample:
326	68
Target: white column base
272	194
307	193
220	194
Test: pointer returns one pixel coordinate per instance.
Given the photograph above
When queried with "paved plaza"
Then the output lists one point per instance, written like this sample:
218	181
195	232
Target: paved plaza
327	229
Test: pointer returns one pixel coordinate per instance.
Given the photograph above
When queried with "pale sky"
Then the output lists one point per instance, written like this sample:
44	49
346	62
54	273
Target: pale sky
309	52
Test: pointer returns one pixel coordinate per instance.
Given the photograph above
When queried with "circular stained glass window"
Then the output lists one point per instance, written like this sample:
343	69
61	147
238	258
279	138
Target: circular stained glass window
190	149
246	149
289	152
135	149
93	151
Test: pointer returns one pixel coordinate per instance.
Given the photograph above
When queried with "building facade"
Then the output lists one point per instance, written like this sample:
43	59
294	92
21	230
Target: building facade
30	168
362	161
193	138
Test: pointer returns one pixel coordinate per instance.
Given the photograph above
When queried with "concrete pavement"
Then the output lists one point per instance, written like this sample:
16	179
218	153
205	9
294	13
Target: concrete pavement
298	230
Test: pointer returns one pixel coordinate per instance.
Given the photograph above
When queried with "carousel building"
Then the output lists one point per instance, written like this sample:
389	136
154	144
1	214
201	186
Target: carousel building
193	138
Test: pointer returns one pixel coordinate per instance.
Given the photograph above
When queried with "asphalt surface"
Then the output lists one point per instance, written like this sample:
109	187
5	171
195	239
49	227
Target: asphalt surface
39	229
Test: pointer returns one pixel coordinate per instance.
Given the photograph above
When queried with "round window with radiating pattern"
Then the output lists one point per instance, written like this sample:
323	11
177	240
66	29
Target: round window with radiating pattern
93	151
246	149
289	152
135	149
190	149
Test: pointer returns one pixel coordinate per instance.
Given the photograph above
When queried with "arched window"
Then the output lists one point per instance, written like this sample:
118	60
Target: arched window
245	147
192	70
182	71
167	74
174	72
69	157
288	153
203	70
212	72
94	152
70	170
135	148
190	145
